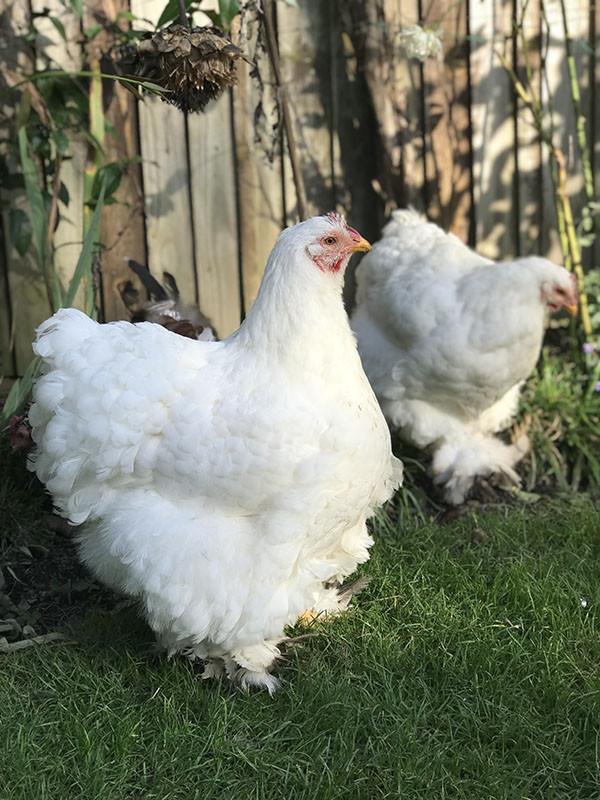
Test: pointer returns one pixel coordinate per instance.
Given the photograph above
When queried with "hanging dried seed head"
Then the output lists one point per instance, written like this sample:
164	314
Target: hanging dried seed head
195	65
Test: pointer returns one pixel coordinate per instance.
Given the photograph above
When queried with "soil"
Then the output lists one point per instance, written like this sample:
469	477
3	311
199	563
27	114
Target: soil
46	589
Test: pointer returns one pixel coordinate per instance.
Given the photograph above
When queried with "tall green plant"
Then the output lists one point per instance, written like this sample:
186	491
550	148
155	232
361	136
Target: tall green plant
21	389
543	121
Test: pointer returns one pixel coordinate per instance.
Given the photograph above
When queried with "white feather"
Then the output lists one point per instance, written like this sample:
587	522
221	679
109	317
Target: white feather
447	338
222	483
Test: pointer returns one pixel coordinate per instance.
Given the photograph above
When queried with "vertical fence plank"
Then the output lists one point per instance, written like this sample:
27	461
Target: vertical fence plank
594	120
493	129
354	129
557	97
215	216
529	147
52	48
259	182
166	177
15	21
26	287
122	223
446	116
303	36
394	86
7	362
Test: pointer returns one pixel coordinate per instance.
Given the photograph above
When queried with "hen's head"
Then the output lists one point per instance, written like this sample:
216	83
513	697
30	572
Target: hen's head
559	289
328	241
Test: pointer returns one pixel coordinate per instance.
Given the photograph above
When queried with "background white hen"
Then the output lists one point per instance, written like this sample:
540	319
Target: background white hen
224	484
447	337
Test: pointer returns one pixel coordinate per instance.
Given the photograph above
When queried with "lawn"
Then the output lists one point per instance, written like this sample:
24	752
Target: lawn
467	669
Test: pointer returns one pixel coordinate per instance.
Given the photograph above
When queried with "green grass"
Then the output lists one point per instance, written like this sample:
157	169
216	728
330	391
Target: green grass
468	669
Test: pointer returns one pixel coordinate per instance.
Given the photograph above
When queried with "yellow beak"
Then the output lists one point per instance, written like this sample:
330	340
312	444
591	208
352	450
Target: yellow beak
572	309
359	247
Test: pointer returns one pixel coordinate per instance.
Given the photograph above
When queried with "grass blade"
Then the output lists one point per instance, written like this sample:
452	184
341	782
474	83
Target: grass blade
84	262
20	392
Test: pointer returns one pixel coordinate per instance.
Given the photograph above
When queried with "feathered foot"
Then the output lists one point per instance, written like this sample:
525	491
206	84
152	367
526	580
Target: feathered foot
334	600
457	464
247	668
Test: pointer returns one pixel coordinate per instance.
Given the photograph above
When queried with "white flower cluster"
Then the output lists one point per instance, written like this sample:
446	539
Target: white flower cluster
421	43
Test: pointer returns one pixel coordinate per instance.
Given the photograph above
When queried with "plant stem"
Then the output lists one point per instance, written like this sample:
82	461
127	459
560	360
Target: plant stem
182	15
285	109
54	290
63	73
572	238
576	97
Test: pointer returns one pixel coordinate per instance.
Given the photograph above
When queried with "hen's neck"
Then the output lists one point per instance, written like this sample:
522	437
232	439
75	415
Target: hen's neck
298	312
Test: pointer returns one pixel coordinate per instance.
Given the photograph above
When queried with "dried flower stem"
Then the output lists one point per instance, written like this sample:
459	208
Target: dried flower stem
51	278
285	109
182	15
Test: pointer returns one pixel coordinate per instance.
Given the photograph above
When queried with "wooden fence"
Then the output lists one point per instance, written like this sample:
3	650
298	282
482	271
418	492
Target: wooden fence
375	129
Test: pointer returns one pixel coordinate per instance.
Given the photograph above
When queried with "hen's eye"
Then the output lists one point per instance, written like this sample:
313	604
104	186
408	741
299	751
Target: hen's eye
330	240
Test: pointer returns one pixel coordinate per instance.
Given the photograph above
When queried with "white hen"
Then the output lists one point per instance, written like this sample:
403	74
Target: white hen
225	484
447	337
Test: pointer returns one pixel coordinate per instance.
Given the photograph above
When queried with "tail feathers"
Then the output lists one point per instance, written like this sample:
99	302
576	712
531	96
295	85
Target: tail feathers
154	290
61	332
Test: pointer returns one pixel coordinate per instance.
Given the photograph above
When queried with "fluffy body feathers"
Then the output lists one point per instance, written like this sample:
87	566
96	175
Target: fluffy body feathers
446	338
224	484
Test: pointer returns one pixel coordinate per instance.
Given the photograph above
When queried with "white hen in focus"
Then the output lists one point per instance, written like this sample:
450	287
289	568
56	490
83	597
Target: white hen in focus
446	338
224	484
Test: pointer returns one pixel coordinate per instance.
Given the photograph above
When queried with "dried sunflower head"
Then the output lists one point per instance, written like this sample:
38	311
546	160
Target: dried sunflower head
194	64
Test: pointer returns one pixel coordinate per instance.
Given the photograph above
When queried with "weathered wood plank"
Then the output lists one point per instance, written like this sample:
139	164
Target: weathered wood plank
15	19
7	362
259	182
557	96
446	118
354	129
166	177
65	55
303	37
26	287
394	84
493	129
594	117
529	146
122	224
215	216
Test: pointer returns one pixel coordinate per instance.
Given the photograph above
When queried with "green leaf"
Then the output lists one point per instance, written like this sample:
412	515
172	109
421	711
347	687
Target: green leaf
131	88
20	392
24	110
63	194
228	9
92	31
37	206
61	142
77	6
84	262
108	176
20	229
59	27
126	15
153	87
171	12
